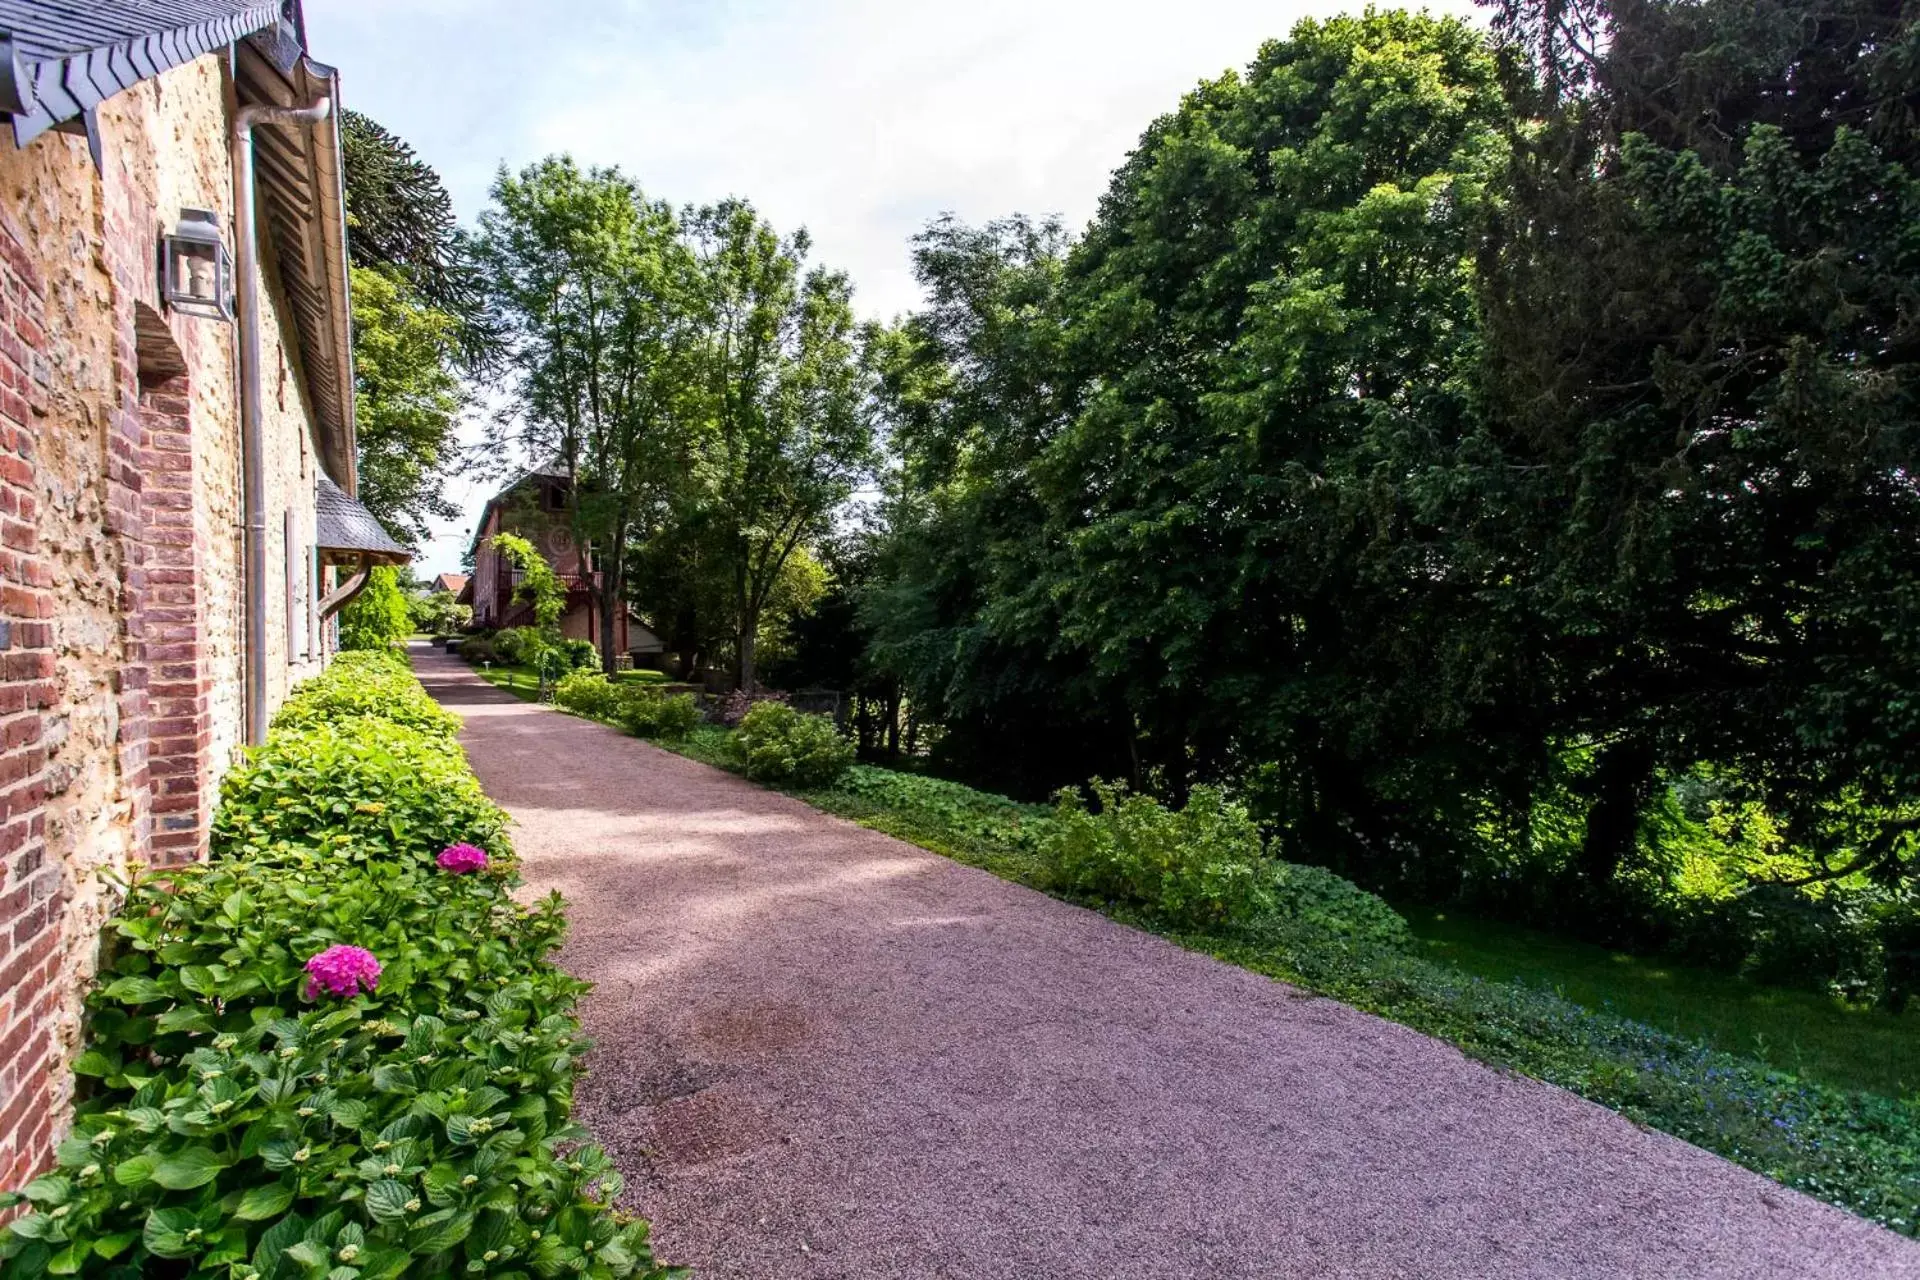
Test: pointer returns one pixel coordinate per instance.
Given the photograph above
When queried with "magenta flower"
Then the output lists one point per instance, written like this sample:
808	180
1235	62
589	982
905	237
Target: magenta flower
462	858
341	971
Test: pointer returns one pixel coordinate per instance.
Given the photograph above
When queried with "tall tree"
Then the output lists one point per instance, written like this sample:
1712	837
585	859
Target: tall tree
1702	374
791	435
400	221
598	300
408	404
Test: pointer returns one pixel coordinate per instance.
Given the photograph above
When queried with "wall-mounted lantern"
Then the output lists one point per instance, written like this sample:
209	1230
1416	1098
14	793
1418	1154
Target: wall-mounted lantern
194	268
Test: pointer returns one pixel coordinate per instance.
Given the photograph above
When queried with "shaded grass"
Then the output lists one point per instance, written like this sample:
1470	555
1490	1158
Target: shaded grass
1809	1034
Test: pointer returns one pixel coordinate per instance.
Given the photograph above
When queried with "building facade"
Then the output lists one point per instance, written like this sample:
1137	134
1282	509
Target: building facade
137	651
535	507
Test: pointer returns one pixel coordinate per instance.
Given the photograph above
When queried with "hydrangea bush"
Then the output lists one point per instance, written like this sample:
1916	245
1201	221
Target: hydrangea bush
368	682
325	1055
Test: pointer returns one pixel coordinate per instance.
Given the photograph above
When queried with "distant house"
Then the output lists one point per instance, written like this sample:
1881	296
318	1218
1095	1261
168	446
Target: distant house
451	583
177	462
535	506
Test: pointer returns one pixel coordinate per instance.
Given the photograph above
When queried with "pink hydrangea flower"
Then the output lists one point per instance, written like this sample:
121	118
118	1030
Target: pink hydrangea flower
342	971
462	858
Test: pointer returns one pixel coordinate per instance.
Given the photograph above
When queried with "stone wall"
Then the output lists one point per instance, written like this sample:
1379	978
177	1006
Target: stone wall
122	680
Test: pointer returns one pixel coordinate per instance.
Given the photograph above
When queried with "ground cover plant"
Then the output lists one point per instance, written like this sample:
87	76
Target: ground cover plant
338	1049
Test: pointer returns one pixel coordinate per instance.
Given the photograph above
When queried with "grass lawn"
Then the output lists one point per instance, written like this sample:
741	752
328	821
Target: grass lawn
1800	1031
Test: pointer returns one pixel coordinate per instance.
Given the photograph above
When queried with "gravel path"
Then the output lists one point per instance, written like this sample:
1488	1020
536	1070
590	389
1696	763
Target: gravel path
822	1053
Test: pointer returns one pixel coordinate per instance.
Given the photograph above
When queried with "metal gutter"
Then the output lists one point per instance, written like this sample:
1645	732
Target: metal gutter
252	431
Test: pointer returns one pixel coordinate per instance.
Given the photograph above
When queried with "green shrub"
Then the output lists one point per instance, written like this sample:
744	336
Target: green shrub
367	787
648	713
645	712
1200	866
777	744
239	1126
420	1129
378	617
479	649
368	682
522	646
581	655
588	693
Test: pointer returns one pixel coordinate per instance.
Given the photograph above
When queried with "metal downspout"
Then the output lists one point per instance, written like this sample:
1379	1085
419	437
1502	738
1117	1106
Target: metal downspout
252	431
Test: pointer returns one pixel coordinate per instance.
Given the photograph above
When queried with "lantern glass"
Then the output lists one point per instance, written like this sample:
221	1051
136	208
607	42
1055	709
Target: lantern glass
194	267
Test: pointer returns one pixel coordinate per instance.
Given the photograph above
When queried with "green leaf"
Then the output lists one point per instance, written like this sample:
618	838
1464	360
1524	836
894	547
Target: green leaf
166	1233
275	1241
440	1231
94	1063
69	1259
137	1171
387	1200
112	1246
308	1253
261	1203
184	1170
199	979
47	1189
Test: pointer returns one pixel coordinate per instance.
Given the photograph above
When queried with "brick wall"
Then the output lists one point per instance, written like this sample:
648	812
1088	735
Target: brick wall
120	563
29	972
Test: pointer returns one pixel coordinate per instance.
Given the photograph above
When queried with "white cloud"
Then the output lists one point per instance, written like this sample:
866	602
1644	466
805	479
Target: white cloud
858	119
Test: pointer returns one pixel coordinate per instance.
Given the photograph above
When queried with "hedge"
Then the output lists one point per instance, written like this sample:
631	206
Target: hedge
337	1051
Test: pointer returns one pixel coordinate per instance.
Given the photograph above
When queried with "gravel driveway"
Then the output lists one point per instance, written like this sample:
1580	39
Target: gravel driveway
825	1053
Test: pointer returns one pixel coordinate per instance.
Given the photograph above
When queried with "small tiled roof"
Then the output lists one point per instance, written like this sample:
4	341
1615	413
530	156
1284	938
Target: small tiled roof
453	582
344	527
59	59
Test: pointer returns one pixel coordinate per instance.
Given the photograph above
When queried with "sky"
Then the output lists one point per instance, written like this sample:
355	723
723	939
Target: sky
856	119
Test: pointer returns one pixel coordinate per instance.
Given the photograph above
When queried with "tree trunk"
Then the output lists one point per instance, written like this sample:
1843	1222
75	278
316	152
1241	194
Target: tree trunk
609	611
749	639
1621	783
893	723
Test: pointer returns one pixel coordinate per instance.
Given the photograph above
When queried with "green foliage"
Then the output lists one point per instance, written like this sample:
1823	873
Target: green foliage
642	711
1312	902
649	713
780	745
1811	1034
407	404
378	617
363	789
437	613
588	693
606	318
1199	866
539	585
948	807
522	646
400	223
580	654
369	682
235	1126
